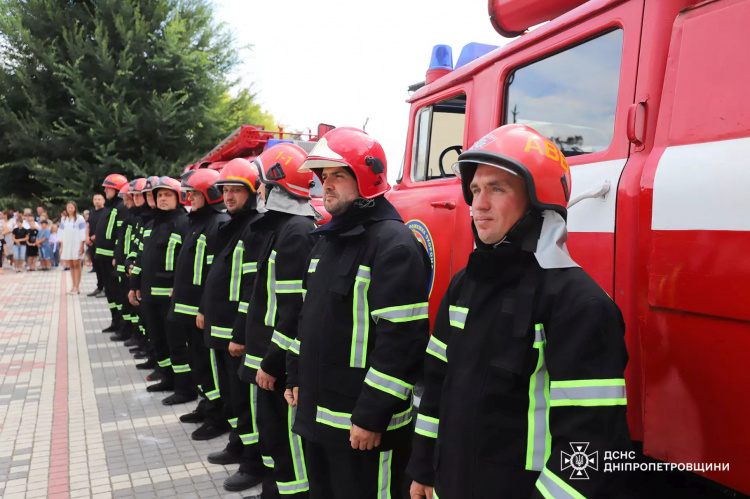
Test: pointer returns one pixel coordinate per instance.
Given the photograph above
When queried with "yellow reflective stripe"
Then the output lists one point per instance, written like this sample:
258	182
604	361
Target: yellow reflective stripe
402	313
457	316
360	318
588	392
427	426
388	384
437	348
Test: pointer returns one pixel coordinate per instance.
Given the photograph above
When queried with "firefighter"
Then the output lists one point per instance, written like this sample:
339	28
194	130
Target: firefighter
106	234
217	313
278	246
152	277
362	329
122	248
142	215
190	357
524	370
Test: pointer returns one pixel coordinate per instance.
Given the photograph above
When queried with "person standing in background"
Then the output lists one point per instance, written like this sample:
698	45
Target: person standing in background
5	230
54	246
95	217
32	250
71	237
43	244
20	236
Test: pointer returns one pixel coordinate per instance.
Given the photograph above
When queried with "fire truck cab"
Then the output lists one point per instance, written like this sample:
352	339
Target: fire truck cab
648	100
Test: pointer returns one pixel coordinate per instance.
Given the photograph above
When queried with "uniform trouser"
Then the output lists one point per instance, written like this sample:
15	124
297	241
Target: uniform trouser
111	287
344	473
128	310
178	337
98	268
281	449
206	373
240	400
156	326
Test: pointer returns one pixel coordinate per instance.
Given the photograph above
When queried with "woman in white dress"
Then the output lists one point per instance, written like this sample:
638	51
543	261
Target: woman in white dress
71	235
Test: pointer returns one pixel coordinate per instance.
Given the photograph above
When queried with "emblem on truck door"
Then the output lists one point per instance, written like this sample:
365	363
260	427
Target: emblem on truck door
422	233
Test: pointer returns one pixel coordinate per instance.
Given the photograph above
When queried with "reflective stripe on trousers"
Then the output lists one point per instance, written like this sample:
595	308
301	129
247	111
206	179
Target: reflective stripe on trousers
300	484
360	318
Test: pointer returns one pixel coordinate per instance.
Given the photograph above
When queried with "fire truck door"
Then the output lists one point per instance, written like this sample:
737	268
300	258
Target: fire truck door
575	88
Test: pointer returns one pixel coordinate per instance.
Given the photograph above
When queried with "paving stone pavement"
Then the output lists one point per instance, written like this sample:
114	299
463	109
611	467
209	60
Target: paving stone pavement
75	417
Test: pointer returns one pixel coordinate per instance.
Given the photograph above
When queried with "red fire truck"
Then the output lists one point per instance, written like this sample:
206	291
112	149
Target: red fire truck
649	101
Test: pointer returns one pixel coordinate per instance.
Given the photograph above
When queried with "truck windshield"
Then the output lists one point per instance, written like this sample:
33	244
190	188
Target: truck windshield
571	96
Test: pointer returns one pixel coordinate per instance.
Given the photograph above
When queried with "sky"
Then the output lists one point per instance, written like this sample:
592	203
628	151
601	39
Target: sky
343	62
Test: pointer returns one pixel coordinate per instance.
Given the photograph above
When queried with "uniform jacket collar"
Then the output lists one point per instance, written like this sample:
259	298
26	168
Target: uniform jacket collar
353	222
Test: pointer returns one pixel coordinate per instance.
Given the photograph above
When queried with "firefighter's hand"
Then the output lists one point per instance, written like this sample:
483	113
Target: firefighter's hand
291	395
265	380
199	320
419	491
133	297
114	263
363	439
236	350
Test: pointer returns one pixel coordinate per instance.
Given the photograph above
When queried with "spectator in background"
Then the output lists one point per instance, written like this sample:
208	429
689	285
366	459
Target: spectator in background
88	257
94	218
72	235
4	229
7	235
54	246
32	250
43	243
20	236
39	213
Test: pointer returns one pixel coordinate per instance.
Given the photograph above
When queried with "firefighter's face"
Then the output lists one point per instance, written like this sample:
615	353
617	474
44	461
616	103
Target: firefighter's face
138	199
500	200
339	190
128	202
110	192
150	199
197	201
166	199
235	197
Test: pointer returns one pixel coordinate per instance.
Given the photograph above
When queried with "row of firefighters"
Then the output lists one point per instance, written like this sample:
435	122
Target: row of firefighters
305	342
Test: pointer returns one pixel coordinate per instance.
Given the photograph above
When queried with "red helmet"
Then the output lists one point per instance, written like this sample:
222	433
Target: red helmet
203	180
137	185
170	184
349	147
522	151
239	171
115	181
125	191
280	165
150	182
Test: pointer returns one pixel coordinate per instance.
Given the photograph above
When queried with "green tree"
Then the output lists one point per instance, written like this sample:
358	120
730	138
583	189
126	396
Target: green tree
92	87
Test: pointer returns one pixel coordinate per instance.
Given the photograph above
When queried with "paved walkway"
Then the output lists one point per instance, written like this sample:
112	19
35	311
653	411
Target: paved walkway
75	417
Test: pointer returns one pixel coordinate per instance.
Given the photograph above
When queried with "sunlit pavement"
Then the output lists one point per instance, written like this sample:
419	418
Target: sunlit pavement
75	417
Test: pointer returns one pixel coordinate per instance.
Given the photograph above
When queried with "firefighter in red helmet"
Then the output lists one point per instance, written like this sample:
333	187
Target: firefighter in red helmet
216	316
152	277
191	270
524	372
107	231
363	328
276	247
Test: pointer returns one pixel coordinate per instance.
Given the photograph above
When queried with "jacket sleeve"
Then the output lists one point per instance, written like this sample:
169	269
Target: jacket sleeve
135	275
292	355
584	355
420	466
397	303
285	274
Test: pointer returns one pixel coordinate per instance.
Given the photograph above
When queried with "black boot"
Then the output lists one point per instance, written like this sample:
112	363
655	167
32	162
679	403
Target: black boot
184	390
165	385
156	375
140	355
208	431
224	457
111	329
241	481
133	341
120	335
149	364
192	417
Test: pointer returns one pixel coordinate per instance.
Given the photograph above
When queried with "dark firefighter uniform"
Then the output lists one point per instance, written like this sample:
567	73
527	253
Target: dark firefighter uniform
524	369
142	215
220	305
123	246
270	331
106	234
190	357
362	331
153	274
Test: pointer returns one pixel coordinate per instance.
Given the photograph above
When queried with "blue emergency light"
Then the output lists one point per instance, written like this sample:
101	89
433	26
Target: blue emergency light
473	51
442	58
273	142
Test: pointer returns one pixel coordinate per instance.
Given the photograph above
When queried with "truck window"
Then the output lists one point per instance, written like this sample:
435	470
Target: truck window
570	97
438	130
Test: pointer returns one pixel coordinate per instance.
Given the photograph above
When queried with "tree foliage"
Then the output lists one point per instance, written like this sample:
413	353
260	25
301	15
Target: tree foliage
92	87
